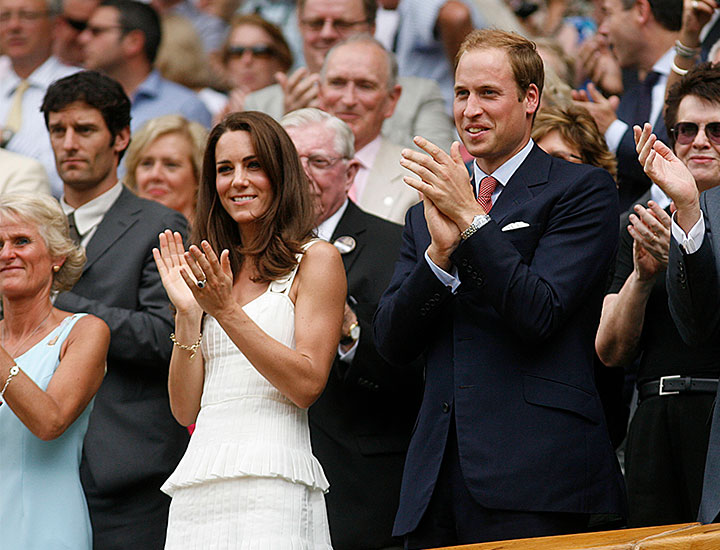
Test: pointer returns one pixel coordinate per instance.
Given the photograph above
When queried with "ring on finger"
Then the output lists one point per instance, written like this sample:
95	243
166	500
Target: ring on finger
201	283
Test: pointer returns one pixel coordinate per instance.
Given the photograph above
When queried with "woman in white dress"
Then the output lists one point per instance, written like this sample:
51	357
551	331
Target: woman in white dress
259	310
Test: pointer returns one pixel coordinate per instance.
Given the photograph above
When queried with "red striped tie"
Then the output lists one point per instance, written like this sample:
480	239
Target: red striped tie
487	186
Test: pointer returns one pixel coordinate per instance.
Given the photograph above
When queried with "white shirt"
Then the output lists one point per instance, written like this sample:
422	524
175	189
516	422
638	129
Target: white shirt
502	175
89	215
33	140
691	241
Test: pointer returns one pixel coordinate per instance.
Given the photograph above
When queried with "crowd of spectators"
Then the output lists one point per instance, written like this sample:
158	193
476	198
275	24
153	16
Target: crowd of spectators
626	86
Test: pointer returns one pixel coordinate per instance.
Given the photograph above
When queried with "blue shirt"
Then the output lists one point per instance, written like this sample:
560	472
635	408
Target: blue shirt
157	96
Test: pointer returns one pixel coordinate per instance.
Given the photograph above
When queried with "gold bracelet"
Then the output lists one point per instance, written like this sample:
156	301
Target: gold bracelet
193	349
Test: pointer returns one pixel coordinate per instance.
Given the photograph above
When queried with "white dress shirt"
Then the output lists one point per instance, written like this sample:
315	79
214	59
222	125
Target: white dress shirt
89	215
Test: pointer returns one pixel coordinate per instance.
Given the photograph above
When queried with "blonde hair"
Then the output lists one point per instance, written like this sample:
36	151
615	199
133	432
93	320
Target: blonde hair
194	132
45	212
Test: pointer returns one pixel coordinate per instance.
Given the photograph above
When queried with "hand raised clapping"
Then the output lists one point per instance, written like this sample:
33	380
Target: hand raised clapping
196	278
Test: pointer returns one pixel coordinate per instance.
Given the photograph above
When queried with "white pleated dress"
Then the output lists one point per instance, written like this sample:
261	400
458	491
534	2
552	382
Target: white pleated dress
248	480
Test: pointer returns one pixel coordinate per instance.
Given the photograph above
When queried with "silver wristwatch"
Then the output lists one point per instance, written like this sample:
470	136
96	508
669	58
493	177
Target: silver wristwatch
477	223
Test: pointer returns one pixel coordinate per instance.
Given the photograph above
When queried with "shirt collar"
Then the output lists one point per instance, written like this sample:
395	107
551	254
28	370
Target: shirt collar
506	171
662	65
39	78
89	215
367	154
326	229
149	87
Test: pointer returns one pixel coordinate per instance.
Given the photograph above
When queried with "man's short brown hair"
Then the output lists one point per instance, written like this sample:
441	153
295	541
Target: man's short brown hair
526	64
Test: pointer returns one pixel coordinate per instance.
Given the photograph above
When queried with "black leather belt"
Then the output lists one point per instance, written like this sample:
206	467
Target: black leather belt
671	385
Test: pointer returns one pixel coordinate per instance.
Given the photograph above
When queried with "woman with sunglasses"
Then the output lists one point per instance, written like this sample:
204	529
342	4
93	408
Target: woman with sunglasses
255	51
668	435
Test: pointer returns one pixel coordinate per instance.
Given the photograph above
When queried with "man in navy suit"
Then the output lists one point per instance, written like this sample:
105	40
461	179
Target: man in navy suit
503	306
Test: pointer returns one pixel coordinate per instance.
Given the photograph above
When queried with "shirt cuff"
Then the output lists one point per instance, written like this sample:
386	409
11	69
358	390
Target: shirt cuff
615	133
448	279
347	357
691	242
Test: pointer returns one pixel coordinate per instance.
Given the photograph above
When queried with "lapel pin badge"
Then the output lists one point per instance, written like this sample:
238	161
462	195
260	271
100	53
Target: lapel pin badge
345	244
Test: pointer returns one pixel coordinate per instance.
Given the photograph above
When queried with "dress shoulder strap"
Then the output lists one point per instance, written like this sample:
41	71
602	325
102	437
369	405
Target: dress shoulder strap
283	285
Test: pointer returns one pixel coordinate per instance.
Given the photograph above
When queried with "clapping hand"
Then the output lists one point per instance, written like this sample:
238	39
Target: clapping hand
650	230
170	261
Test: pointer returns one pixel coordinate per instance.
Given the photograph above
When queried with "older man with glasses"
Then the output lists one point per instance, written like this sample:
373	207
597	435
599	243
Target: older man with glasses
678	370
325	23
26	37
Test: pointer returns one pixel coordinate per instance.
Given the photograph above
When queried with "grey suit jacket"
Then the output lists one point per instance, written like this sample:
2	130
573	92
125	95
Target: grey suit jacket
132	439
420	111
692	280
385	193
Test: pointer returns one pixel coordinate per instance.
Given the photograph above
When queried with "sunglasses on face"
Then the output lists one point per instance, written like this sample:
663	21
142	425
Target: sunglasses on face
78	24
685	132
261	51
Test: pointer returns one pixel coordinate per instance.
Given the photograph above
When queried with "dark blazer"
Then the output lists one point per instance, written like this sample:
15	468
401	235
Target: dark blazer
511	353
133	443
632	180
360	426
693	283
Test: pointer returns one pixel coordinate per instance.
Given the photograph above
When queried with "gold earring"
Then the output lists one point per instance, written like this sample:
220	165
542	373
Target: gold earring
56	268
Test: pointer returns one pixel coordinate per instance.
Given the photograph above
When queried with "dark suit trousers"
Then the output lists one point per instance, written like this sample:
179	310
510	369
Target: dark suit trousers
453	517
136	518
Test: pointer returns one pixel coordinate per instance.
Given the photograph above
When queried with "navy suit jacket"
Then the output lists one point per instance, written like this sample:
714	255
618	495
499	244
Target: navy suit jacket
511	353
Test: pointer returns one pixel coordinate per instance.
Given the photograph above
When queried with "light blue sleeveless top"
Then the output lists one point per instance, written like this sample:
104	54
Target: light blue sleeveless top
42	505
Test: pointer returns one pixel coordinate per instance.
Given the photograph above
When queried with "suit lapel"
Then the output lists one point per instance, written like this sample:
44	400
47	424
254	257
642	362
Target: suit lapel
531	173
351	224
116	221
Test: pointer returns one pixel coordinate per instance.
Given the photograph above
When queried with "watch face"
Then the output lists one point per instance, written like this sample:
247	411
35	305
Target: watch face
355	332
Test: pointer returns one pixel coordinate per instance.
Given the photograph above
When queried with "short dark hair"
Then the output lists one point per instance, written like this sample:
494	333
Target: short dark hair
289	220
702	81
97	90
369	9
666	12
138	16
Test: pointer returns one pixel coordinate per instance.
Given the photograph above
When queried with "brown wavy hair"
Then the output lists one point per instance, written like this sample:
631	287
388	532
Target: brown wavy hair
288	222
575	124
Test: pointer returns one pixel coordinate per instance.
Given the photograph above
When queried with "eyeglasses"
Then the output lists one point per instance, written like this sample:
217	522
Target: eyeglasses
338	25
97	30
685	132
23	15
319	163
78	24
262	51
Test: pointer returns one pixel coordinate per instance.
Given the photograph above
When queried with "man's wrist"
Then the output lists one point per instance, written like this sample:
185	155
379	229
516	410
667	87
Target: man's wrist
440	258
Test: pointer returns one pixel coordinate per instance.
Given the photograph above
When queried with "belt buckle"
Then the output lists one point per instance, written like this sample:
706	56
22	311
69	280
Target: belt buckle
662	383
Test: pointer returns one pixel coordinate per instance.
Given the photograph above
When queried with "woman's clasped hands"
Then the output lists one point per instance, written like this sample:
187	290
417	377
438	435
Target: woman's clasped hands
195	278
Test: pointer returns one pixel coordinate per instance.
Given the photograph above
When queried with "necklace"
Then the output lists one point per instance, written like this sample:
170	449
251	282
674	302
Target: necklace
19	347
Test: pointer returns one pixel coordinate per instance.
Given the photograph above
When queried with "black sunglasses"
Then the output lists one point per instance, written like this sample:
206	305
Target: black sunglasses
685	132
78	24
261	50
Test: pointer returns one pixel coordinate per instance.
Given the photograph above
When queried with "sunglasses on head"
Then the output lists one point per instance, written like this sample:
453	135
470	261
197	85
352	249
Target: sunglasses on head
685	132
77	24
260	50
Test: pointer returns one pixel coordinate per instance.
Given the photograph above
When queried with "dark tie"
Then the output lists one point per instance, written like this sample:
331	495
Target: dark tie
74	233
487	186
710	501
644	100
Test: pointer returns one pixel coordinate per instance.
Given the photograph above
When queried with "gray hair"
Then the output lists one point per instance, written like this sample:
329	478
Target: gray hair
344	142
365	38
47	215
